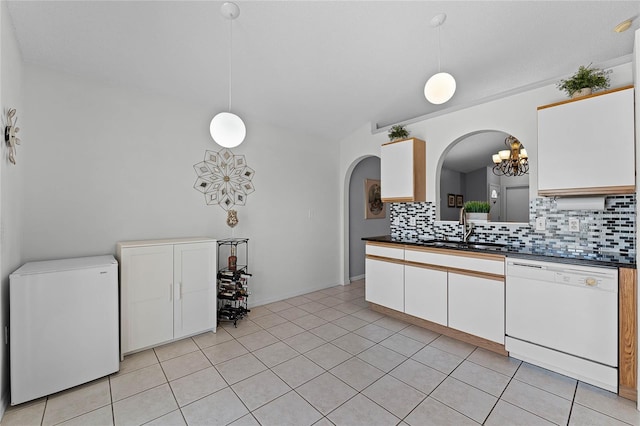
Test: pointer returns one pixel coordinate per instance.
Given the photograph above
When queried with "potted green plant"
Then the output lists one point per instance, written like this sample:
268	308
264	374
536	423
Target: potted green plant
477	210
584	81
398	132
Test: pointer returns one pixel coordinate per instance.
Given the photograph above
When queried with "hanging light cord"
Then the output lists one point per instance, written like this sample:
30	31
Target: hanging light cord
230	59
439	50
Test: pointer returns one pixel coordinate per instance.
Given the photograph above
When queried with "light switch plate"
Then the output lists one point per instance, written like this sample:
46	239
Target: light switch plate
412	221
574	224
396	221
541	224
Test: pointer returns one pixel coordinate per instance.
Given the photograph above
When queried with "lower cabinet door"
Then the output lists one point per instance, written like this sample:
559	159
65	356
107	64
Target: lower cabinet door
146	277
195	286
476	306
384	284
425	294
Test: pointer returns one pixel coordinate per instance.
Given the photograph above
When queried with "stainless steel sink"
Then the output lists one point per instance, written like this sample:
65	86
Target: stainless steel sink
486	246
462	245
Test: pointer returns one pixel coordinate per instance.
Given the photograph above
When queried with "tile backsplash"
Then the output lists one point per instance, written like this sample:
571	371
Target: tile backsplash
610	230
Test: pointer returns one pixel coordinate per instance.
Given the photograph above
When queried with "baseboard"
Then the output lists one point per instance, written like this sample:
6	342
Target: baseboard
265	301
357	278
4	402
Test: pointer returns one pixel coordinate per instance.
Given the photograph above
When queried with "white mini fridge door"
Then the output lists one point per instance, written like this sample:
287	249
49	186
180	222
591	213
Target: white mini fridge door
63	325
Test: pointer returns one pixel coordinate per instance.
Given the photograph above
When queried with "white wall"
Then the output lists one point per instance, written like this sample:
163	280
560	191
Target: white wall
105	164
10	183
516	115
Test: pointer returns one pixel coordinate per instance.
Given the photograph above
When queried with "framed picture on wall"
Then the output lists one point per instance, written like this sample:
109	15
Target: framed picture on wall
459	201
451	200
373	205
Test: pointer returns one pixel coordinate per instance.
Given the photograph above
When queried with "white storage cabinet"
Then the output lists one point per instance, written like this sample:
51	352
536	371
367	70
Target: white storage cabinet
575	136
403	171
167	290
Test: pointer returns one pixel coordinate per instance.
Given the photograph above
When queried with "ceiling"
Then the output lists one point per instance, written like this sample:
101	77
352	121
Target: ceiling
322	67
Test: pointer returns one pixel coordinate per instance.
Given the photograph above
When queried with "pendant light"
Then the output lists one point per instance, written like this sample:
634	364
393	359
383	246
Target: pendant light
227	129
441	86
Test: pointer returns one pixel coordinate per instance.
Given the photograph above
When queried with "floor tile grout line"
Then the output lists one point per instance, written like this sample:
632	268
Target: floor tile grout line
449	376
522	408
502	393
573	400
603	413
113	412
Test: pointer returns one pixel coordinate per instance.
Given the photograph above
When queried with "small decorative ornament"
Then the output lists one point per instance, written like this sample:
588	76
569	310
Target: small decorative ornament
224	179
232	218
10	131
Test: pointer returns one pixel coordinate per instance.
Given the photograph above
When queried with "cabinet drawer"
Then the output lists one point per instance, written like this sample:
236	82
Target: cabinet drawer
385	251
474	263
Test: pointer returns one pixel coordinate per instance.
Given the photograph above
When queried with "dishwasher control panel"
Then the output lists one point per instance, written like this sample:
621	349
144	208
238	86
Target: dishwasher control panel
597	278
605	282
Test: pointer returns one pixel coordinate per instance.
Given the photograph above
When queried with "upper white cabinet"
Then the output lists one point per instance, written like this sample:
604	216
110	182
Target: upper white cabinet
403	171
577	137
167	290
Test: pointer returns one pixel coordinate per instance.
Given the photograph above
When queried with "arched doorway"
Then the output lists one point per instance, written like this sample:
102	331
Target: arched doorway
363	169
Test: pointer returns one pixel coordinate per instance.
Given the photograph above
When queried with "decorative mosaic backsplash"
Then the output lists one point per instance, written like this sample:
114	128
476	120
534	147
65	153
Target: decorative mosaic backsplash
610	230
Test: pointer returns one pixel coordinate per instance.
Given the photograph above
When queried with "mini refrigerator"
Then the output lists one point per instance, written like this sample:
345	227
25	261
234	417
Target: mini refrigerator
63	328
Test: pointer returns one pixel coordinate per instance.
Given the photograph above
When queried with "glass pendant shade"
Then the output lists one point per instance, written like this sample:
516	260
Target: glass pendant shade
440	88
227	129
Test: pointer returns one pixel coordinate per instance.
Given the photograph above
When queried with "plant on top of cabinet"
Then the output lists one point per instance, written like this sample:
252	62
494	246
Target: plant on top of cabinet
398	132
584	81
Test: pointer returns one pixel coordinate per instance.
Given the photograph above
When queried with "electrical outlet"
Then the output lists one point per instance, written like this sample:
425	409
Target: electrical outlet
574	224
541	224
412	221
396	221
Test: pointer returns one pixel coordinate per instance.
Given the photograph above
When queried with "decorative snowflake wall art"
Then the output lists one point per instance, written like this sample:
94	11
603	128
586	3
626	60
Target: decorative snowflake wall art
224	178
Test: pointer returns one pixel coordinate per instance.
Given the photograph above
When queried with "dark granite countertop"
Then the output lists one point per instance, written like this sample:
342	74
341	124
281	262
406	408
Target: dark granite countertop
537	252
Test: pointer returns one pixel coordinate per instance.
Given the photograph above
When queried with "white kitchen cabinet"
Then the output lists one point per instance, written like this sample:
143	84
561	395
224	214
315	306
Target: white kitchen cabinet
385	283
167	290
403	171
577	137
476	306
425	293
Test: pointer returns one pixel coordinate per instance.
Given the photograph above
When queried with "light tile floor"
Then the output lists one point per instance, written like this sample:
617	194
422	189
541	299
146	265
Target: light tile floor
324	358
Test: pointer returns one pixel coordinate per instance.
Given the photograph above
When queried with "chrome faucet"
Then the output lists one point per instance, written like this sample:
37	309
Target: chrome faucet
465	224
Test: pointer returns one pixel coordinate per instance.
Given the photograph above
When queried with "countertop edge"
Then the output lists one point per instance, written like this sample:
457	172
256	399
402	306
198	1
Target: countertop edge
513	253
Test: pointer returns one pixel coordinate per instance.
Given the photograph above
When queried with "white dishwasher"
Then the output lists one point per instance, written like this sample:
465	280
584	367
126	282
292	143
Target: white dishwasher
564	317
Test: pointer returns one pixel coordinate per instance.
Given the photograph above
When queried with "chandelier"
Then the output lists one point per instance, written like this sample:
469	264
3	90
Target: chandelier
513	161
